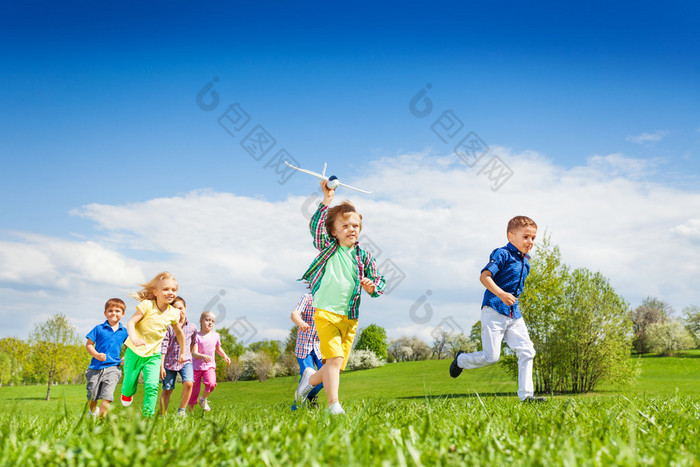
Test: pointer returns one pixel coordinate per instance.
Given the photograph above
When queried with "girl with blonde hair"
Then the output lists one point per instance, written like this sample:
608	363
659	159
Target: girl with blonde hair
147	329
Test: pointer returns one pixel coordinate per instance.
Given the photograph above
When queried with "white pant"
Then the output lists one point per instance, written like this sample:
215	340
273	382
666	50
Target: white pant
494	327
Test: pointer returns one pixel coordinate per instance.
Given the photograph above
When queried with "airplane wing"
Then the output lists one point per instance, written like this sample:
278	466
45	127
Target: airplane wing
317	175
353	188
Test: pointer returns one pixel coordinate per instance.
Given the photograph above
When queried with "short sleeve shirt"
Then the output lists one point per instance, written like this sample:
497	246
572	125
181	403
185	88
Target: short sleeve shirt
108	342
207	345
152	327
339	281
509	269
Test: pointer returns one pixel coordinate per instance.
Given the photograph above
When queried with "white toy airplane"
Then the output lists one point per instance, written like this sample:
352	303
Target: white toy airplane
332	181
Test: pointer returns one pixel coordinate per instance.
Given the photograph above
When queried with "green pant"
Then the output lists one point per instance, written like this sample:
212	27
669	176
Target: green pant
135	364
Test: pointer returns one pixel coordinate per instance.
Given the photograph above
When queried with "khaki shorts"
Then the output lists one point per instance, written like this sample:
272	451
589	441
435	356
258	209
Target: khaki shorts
101	383
335	333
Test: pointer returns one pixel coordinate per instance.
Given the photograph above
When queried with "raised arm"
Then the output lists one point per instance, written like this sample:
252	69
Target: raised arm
316	225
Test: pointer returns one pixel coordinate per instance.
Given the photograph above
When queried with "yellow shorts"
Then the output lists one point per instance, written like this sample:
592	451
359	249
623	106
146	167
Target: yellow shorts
335	333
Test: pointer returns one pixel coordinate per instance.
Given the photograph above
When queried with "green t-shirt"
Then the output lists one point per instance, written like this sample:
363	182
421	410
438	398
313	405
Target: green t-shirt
338	282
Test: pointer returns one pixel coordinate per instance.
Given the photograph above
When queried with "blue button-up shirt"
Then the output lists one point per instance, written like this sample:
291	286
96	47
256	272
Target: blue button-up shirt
509	268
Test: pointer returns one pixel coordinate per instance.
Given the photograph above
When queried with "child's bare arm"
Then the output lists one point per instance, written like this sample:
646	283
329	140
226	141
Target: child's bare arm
200	356
131	329
488	282
90	347
221	352
181	342
296	319
368	285
328	194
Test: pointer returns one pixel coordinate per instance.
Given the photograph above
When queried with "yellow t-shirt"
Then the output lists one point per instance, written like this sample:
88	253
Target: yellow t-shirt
152	327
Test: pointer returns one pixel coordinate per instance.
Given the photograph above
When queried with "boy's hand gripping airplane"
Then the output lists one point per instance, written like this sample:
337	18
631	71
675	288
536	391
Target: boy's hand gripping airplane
332	182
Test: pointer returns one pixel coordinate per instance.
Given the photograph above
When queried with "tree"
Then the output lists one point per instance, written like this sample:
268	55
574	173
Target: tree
668	336
291	342
51	343
652	310
406	349
475	335
14	353
691	318
440	344
457	342
373	338
233	349
580	327
270	347
264	366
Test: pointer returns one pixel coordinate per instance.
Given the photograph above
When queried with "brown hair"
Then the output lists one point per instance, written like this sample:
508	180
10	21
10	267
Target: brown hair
115	302
518	222
344	209
147	292
180	299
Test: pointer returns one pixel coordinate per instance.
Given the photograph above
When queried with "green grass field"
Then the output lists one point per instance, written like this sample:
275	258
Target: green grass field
401	414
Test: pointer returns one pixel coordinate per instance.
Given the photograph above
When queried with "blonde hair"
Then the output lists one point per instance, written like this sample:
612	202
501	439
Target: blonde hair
204	313
146	293
345	210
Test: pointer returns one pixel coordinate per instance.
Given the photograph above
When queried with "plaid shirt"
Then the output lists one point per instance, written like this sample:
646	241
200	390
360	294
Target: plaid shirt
171	349
328	245
307	340
509	269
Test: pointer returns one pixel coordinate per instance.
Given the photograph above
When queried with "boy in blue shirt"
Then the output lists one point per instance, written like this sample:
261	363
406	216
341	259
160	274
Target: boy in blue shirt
504	278
104	344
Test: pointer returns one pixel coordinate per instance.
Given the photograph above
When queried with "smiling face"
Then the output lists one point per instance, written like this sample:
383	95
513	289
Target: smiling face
346	228
523	238
113	314
165	292
180	305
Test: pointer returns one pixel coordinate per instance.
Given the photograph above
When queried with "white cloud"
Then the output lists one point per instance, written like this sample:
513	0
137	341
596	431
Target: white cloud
433	217
690	229
647	137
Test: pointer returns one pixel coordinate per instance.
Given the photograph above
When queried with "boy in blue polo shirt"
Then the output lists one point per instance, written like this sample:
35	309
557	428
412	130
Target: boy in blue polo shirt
504	278
104	344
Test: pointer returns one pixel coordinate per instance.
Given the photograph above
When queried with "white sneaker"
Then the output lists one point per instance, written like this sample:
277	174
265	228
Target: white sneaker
204	404
335	409
304	387
96	413
181	413
126	401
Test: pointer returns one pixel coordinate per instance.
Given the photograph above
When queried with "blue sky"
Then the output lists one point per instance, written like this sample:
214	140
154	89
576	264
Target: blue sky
98	108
